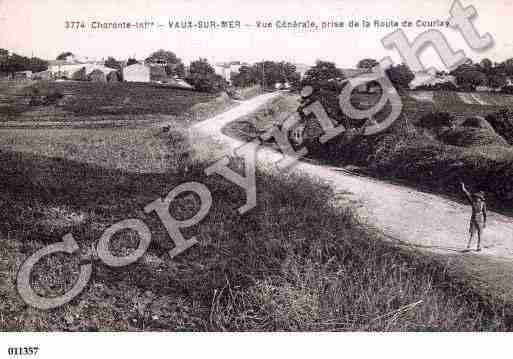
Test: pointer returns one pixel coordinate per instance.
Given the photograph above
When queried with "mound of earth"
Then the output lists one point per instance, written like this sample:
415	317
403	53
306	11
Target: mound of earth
471	136
477	122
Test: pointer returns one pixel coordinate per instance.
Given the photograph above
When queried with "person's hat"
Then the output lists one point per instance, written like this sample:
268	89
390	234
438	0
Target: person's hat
306	91
480	195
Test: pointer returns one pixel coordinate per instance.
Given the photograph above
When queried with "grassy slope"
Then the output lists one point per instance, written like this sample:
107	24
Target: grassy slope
410	153
104	100
279	267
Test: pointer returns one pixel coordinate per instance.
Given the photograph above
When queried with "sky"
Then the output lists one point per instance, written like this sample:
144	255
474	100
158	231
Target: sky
37	27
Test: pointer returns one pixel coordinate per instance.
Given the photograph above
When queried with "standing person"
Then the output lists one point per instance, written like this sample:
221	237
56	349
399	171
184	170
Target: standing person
478	219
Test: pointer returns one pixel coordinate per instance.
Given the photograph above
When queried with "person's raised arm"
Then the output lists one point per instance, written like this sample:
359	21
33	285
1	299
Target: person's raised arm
467	194
484	214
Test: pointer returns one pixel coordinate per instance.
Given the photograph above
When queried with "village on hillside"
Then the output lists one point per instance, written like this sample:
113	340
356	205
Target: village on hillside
165	68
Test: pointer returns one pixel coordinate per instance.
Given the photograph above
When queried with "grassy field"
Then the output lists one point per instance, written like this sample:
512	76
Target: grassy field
279	267
96	100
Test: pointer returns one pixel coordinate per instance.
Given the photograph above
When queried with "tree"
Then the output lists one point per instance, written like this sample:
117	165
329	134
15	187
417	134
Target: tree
64	55
269	73
367	64
131	61
172	64
245	77
11	63
201	67
37	65
469	79
467	66
177	69
507	67
322	72
496	81
290	74
400	76
203	77
112	63
295	80
486	65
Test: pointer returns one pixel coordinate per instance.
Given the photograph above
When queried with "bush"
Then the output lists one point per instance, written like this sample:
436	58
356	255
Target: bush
53	97
211	83
507	90
43	96
446	86
468	136
437	120
502	123
477	122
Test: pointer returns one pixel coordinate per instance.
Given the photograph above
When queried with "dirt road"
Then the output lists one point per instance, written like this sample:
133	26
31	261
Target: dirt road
424	220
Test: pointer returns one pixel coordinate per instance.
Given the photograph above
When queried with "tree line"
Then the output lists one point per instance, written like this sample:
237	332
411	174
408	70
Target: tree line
11	63
484	73
267	74
202	75
327	74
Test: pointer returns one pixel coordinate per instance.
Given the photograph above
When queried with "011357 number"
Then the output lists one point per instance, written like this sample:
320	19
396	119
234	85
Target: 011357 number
15	351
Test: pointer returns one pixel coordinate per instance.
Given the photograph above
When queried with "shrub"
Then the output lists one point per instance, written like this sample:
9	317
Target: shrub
211	83
478	122
445	86
437	120
43	96
53	97
469	136
502	123
507	90
203	77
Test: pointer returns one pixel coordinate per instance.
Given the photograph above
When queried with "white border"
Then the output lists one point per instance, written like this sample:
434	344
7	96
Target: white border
259	345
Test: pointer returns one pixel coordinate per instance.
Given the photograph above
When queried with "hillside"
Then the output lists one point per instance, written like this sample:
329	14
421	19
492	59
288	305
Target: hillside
435	159
73	100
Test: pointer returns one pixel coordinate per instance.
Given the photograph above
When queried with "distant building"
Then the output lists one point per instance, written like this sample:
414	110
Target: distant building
136	73
43	75
424	79
72	69
23	75
301	69
367	76
228	69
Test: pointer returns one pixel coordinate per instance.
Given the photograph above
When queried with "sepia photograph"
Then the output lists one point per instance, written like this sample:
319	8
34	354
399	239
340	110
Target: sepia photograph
312	170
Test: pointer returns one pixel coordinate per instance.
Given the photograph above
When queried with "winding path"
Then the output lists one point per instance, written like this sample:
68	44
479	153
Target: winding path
421	219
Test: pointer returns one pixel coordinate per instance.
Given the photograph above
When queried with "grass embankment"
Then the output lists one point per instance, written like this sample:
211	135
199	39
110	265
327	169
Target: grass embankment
79	100
292	263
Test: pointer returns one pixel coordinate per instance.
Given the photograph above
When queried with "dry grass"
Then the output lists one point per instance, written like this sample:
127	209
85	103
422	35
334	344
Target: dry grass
98	101
471	137
282	266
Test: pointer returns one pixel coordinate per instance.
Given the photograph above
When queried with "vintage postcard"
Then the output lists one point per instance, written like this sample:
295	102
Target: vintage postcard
300	167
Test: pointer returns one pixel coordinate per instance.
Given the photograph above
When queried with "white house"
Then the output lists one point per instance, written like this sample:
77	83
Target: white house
430	80
71	68
136	73
225	69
